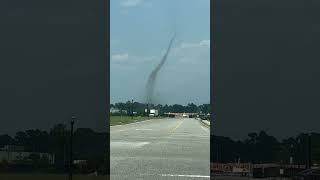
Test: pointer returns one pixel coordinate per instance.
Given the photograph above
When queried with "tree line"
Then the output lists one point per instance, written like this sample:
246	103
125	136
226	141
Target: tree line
263	148
140	108
87	145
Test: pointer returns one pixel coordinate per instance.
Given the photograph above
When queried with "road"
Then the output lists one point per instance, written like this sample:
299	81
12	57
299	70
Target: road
172	148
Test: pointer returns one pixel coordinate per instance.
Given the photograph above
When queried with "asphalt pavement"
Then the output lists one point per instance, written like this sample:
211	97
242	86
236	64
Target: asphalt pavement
171	148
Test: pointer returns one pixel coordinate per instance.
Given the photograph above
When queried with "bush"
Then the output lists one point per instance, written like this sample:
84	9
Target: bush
4	165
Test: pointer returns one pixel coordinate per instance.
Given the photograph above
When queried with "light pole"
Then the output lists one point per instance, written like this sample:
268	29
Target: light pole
132	109
291	154
309	162
298	154
291	160
71	152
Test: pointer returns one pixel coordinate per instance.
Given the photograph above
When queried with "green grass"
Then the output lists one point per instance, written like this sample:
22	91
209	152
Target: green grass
49	177
116	120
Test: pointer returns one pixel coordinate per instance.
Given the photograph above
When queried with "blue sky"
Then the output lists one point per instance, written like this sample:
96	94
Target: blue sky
140	33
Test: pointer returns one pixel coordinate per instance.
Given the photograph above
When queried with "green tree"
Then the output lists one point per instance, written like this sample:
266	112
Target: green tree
6	140
3	165
191	108
58	145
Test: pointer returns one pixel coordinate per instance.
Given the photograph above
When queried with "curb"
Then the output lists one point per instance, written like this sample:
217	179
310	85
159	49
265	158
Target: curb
205	124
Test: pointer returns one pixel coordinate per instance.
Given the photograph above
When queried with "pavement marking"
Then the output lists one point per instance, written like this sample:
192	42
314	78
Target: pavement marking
119	130
128	144
181	175
178	125
143	129
131	129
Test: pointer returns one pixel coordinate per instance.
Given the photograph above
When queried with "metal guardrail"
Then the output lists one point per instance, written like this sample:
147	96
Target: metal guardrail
205	124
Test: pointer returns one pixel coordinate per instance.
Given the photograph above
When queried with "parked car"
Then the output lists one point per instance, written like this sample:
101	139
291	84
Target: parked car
203	117
308	174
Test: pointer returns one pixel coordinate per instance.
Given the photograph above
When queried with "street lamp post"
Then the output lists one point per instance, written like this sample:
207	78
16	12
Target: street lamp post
291	160
132	109
309	162
291	154
71	152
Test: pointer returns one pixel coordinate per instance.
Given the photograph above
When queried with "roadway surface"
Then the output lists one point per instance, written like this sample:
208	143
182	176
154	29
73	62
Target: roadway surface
171	148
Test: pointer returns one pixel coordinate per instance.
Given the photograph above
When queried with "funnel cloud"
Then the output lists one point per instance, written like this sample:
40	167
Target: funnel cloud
153	75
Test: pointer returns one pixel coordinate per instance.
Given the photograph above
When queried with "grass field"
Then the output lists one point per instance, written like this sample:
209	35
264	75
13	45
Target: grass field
49	177
116	120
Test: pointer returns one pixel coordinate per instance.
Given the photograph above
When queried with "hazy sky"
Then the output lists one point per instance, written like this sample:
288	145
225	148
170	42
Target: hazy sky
141	31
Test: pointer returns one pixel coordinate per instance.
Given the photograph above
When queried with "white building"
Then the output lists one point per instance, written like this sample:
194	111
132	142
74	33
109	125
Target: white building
12	153
115	110
153	112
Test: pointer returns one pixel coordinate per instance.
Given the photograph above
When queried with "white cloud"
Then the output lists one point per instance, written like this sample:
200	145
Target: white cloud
192	52
203	43
120	57
125	58
131	3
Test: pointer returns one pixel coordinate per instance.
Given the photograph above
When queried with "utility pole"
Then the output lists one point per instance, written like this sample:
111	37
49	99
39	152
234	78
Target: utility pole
309	162
132	109
298	154
291	154
147	112
71	152
291	160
